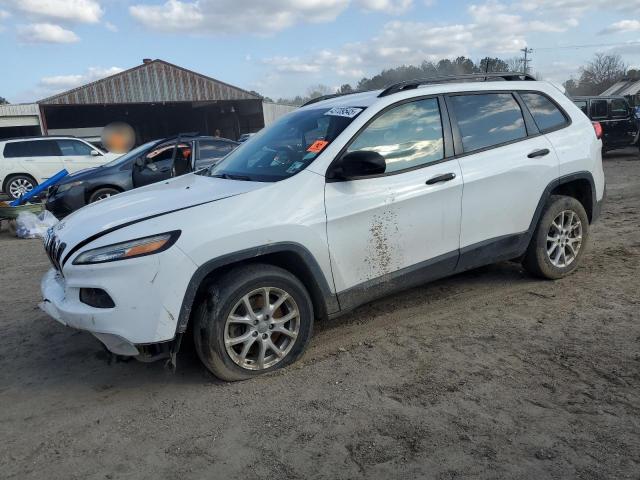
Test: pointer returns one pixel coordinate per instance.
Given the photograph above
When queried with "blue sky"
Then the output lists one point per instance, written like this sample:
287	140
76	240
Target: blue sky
281	47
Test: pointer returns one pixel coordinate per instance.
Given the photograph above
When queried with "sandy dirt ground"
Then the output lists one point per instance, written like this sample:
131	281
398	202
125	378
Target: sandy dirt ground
488	374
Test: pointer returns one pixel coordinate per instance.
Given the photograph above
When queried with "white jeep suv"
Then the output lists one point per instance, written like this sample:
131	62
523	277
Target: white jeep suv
343	201
27	162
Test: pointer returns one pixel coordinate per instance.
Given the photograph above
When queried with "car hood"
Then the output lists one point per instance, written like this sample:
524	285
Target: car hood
164	197
79	175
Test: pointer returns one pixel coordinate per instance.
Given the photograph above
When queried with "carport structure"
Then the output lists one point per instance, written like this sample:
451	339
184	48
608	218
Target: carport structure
157	99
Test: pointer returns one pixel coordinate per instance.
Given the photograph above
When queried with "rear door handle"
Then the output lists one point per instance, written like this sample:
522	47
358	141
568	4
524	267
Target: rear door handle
445	177
539	153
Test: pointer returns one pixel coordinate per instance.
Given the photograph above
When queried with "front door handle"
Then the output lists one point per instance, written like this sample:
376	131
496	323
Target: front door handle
539	153
445	177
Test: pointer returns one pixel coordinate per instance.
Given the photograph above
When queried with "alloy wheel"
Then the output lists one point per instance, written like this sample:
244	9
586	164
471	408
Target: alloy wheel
19	187
262	328
564	239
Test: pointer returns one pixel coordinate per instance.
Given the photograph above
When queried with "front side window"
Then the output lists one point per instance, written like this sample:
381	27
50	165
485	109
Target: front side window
164	153
286	147
619	108
598	109
486	120
74	147
545	113
133	154
407	136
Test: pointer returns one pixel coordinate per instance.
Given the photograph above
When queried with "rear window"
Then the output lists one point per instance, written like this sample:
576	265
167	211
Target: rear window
619	108
598	109
487	120
545	113
33	148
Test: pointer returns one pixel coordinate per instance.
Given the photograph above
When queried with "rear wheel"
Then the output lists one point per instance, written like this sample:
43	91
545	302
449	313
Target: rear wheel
559	240
19	185
102	193
254	320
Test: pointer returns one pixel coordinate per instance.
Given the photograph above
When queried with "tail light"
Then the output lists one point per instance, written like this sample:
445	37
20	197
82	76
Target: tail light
598	129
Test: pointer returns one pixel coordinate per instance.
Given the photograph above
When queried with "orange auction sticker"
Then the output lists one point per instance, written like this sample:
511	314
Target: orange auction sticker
317	146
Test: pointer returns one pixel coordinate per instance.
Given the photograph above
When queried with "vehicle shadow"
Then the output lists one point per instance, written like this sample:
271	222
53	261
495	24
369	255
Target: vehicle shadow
62	358
626	154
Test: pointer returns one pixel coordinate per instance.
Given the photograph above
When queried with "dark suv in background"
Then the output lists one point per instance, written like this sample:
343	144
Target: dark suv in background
149	163
620	128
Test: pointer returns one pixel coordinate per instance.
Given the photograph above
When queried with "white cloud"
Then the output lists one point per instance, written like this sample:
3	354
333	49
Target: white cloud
623	26
45	33
60	83
573	8
235	16
4	14
80	11
491	30
393	7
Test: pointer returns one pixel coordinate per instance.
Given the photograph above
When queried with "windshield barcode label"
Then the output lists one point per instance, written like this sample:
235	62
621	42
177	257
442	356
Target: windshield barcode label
348	112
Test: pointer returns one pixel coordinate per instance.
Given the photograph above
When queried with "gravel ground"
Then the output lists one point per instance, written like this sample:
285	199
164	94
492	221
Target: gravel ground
488	374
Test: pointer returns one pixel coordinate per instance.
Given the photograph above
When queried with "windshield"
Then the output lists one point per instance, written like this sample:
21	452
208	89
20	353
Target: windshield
287	147
132	154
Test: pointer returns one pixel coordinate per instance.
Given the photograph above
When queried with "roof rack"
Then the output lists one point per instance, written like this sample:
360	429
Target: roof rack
327	97
40	137
477	77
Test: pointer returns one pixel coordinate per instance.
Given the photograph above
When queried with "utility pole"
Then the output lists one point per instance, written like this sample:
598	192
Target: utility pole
526	59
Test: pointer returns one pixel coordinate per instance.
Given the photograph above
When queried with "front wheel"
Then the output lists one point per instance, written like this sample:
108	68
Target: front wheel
253	320
102	194
559	239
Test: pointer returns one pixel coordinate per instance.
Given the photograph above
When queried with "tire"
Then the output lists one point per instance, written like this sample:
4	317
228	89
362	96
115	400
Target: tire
18	185
544	257
102	193
222	316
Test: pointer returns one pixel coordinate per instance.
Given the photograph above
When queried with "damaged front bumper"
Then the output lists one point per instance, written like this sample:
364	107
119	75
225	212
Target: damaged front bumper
56	306
145	293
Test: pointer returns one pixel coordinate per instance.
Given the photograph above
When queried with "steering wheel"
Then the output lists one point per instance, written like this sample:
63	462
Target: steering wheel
288	151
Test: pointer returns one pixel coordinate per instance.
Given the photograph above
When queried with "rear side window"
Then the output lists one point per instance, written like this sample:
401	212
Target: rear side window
582	105
34	148
598	109
74	147
487	120
545	113
619	108
210	149
407	136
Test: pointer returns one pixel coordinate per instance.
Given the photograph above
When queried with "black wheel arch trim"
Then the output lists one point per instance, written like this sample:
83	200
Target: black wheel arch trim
582	175
329	299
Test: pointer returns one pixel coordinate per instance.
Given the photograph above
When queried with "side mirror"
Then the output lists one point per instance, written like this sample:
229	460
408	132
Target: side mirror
362	163
95	153
139	162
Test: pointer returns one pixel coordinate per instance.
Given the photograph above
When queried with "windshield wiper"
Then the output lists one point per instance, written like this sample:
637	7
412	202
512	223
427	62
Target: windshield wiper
228	176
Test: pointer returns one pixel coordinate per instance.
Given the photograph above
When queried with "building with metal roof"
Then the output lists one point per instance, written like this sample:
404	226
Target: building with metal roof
156	98
629	88
152	82
19	120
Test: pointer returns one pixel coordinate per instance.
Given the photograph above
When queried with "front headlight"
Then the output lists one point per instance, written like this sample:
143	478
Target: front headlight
68	186
131	249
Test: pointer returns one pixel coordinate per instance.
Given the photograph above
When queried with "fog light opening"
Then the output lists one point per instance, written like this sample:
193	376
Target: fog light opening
96	297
